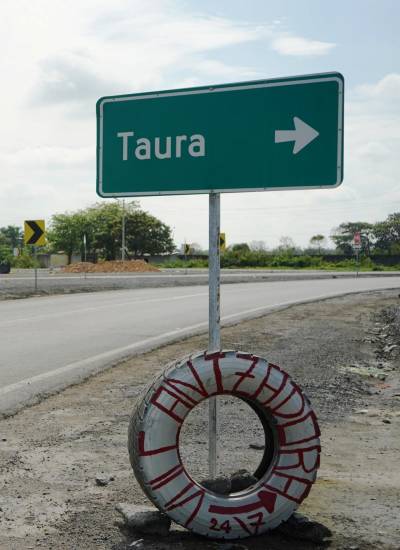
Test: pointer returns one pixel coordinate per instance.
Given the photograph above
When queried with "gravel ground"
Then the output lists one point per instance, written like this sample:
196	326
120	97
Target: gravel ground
342	352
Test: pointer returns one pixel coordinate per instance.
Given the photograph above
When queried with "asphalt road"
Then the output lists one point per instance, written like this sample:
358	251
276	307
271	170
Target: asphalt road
49	342
21	282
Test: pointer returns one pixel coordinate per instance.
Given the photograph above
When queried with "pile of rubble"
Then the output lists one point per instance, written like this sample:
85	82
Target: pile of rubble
386	335
385	338
111	267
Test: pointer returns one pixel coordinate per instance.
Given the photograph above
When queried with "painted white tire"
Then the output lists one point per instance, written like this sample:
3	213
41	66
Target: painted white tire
284	481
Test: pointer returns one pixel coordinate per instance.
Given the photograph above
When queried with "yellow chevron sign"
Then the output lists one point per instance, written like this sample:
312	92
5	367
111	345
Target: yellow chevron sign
34	232
222	242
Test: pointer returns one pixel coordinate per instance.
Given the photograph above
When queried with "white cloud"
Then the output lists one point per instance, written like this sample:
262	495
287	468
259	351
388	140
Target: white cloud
288	44
372	143
387	89
69	79
190	32
49	157
381	97
134	47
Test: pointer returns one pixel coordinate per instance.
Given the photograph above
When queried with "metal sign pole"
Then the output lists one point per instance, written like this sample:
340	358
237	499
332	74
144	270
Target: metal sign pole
35	259
358	262
123	230
214	335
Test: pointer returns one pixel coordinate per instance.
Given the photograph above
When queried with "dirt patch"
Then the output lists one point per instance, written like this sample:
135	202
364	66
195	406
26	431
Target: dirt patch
51	453
119	266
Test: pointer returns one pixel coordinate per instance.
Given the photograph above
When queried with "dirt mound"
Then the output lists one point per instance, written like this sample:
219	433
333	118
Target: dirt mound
110	267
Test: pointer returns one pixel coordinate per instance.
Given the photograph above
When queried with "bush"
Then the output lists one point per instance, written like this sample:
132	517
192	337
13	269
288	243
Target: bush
24	261
367	263
242	259
5	253
245	258
177	263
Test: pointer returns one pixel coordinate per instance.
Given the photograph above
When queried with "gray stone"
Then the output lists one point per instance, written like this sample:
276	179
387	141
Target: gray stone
389	349
241	480
143	519
257	446
103	480
302	528
220	485
137	544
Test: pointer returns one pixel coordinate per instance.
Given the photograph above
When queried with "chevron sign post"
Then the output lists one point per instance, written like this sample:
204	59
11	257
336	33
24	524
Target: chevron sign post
34	232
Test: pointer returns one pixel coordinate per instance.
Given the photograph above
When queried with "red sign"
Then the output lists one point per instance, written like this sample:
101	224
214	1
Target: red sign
357	238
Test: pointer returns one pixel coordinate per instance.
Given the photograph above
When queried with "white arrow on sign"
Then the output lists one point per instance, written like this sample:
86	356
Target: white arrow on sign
302	135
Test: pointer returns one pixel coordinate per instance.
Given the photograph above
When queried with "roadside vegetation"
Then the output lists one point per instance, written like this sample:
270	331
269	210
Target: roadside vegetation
380	251
95	234
270	261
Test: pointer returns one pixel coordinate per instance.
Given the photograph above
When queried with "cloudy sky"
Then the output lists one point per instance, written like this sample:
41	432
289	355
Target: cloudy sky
57	58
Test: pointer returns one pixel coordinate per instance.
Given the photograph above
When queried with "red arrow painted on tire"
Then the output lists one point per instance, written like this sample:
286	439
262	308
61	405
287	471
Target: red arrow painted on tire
267	501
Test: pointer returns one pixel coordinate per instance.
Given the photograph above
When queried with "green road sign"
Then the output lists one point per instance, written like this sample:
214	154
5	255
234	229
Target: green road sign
263	135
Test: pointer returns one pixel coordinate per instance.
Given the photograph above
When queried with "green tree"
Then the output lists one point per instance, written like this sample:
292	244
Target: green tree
318	241
3	239
240	247
286	246
66	232
102	226
343	237
10	238
146	234
103	229
387	234
11	235
5	253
